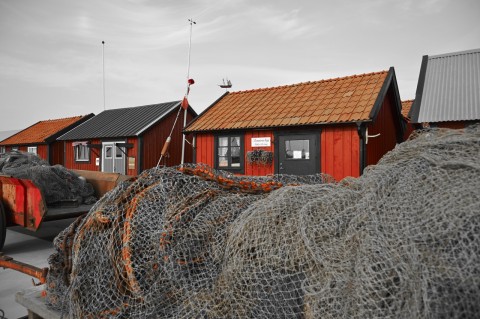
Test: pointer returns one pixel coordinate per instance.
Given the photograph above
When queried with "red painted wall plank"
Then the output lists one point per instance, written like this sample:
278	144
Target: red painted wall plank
340	151
258	169
56	153
204	151
387	126
155	137
88	166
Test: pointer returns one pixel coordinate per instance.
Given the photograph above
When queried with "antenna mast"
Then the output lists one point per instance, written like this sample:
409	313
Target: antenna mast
183	104
189	81
103	55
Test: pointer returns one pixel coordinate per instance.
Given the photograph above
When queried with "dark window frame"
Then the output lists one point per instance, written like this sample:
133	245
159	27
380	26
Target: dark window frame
237	170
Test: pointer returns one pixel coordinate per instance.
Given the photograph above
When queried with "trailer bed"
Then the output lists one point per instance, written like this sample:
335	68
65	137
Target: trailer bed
56	213
34	302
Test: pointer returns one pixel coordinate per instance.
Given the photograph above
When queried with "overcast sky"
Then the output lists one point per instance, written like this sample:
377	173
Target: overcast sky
51	50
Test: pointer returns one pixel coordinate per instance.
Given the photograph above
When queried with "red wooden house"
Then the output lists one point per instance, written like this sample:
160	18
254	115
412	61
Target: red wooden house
41	138
336	126
127	140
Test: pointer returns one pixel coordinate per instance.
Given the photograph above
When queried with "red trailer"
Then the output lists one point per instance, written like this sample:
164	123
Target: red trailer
23	204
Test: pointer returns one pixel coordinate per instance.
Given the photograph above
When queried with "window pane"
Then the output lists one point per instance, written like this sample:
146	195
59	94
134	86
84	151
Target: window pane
235	161
235	151
235	141
81	153
222	151
229	152
297	149
222	161
118	152
108	152
223	141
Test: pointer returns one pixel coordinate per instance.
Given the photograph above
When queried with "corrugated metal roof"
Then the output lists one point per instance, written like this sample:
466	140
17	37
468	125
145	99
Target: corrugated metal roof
122	122
451	88
40	132
339	100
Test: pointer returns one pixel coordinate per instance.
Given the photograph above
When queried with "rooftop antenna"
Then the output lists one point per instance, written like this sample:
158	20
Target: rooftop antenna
184	105
103	55
226	85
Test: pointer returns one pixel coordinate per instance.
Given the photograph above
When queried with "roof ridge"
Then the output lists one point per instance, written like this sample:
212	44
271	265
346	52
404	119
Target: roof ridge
311	82
405	101
452	54
61	119
133	107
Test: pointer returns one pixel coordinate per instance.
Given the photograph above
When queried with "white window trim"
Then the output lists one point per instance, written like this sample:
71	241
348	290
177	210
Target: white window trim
75	152
30	149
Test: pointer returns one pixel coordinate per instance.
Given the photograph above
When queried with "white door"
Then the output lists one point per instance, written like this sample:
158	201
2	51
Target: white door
113	158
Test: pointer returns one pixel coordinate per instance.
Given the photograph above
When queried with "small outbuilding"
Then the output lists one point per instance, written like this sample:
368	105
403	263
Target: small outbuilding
336	126
128	140
41	138
448	90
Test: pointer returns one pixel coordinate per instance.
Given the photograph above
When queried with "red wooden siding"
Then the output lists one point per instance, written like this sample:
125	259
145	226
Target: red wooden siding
88	166
387	126
132	152
204	149
258	169
452	125
339	151
42	151
56	153
155	137
408	129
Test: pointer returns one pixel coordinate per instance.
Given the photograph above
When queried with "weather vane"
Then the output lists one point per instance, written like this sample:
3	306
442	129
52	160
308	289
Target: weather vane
226	85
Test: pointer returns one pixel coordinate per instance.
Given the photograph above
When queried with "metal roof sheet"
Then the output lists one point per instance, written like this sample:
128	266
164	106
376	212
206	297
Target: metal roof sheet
451	88
122	122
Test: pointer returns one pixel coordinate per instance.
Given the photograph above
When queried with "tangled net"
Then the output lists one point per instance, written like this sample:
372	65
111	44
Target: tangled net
56	182
402	241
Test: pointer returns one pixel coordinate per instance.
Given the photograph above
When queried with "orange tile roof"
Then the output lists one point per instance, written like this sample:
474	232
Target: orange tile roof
346	99
40	131
406	105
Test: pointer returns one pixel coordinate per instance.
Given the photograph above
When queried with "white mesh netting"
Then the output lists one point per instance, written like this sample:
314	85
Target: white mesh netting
402	241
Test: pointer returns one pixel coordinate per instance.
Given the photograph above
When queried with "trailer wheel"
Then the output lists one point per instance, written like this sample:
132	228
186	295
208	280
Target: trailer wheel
3	225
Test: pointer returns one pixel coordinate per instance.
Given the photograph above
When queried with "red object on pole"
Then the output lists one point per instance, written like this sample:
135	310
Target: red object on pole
185	103
191	81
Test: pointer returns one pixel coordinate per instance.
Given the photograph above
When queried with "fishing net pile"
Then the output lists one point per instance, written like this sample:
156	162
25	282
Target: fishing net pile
402	241
56	182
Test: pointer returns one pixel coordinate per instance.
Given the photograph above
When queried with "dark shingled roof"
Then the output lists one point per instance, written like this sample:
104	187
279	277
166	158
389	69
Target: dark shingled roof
124	122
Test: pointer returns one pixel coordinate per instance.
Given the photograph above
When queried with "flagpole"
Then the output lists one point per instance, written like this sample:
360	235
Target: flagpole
103	57
188	89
